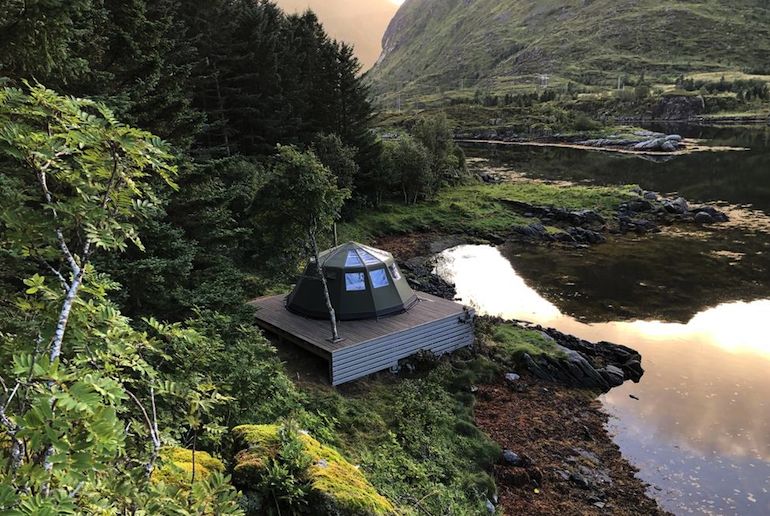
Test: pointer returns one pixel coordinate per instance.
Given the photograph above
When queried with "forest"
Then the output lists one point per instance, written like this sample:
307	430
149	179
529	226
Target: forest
161	163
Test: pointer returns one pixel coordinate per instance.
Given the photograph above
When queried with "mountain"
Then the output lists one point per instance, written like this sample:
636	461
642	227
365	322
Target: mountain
360	23
504	46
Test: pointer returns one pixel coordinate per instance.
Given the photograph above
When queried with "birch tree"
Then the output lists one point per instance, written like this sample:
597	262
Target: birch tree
310	201
79	430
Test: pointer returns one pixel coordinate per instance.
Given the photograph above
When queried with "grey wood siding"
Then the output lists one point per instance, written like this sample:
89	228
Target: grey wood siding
371	345
442	336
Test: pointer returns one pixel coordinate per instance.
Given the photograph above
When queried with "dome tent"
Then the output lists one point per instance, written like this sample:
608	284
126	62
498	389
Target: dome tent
363	282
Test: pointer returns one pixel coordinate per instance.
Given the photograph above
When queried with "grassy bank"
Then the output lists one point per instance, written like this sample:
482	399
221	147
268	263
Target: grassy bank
481	209
415	438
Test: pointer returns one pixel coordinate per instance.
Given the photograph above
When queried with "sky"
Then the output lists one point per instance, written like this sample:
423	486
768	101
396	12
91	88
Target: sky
359	22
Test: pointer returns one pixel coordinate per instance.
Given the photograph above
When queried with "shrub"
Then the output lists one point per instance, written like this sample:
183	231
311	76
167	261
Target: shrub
283	469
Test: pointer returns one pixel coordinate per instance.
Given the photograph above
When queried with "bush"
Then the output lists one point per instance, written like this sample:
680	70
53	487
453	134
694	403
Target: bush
281	468
584	123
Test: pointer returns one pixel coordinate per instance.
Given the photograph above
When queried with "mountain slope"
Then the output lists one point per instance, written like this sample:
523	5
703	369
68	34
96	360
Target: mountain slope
502	45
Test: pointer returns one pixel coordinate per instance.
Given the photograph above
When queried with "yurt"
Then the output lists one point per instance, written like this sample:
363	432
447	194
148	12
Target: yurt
363	283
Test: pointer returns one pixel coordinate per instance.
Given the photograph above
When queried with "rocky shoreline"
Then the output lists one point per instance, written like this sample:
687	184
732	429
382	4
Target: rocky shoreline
558	455
642	143
645	214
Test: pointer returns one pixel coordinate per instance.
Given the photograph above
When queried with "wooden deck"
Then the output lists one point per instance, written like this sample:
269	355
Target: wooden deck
368	346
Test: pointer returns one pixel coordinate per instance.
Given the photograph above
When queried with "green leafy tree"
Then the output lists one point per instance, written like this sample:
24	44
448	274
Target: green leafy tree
447	158
75	374
305	198
408	163
339	158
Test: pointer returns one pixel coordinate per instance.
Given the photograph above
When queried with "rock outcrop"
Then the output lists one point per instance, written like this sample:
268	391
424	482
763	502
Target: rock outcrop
585	364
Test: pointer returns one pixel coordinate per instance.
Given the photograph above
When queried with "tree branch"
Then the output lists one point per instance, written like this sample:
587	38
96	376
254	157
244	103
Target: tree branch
55	272
17	447
152	426
41	178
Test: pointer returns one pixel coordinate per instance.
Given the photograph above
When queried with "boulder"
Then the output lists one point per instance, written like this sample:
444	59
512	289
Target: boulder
580	481
586	236
512	459
640	205
715	214
627	224
535	230
669	146
176	466
512	377
633	369
678	206
582	217
704	218
335	486
613	374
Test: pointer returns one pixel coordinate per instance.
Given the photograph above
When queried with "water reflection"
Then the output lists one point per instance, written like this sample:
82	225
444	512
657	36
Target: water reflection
701	427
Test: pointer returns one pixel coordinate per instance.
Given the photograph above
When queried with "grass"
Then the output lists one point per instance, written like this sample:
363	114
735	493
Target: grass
177	466
415	438
481	209
508	342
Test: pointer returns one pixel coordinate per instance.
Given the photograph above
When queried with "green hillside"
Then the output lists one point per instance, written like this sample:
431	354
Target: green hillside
509	46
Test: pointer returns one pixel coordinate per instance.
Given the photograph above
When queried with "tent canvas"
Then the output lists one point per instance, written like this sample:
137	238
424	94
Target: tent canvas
363	282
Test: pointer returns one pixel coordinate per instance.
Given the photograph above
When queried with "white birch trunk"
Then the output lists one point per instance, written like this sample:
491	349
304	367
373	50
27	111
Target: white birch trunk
329	307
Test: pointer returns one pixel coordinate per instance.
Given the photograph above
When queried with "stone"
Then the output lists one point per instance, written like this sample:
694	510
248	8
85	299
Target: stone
535	230
677	206
587	236
640	205
586	217
613	374
669	146
512	377
633	367
514	459
490	506
627	224
674	138
715	214
704	218
579	480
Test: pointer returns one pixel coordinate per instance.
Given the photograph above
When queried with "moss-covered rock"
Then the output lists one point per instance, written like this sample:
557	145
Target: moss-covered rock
336	487
508	342
177	466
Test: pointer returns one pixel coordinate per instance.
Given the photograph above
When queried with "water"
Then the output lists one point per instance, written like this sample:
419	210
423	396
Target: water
694	302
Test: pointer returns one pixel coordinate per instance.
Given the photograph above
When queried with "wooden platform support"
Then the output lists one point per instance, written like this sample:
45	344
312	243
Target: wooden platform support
433	324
